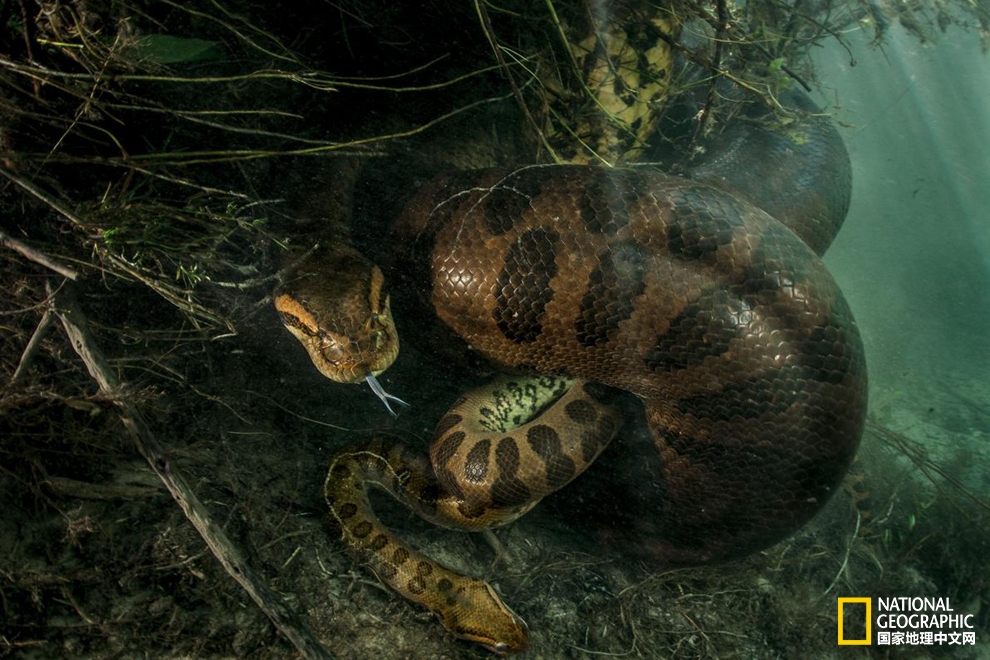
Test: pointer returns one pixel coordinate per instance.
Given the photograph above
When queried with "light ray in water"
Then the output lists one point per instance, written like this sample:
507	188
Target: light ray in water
380	392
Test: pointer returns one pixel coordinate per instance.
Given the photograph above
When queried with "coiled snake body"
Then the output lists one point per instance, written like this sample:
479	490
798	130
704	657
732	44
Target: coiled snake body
718	316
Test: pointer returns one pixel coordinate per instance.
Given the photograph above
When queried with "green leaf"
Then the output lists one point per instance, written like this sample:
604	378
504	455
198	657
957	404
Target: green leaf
166	49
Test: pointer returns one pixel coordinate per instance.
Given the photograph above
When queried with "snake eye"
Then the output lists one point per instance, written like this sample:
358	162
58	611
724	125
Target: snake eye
378	318
328	341
331	350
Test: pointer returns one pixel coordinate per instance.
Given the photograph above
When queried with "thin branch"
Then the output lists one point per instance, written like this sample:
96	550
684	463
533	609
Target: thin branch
179	297
720	28
186	158
37	257
486	25
43	196
32	347
314	79
845	559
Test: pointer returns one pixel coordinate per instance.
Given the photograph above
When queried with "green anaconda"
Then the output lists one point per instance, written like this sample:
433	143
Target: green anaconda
702	295
715	314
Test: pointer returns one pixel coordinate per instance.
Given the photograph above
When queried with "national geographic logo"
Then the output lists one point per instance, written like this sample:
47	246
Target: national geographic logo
902	621
855	622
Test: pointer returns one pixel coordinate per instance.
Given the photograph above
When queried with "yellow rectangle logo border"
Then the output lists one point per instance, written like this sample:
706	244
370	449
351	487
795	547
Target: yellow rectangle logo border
869	622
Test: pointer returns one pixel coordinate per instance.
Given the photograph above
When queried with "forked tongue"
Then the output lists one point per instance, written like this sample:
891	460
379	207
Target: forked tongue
380	392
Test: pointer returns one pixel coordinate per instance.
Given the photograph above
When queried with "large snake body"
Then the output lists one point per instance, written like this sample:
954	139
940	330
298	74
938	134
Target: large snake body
717	315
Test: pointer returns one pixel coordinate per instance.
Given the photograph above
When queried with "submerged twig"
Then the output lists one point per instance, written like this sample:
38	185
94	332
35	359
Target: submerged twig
43	196
32	347
486	25
720	29
845	558
37	256
917	454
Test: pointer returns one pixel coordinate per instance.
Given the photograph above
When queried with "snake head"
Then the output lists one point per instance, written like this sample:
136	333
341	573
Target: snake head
515	638
477	614
336	305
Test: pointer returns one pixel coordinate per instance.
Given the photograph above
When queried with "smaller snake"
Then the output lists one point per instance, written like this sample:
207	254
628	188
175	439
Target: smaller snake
462	496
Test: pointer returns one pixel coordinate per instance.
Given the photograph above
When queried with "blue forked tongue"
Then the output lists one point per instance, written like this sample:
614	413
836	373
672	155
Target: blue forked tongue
380	392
